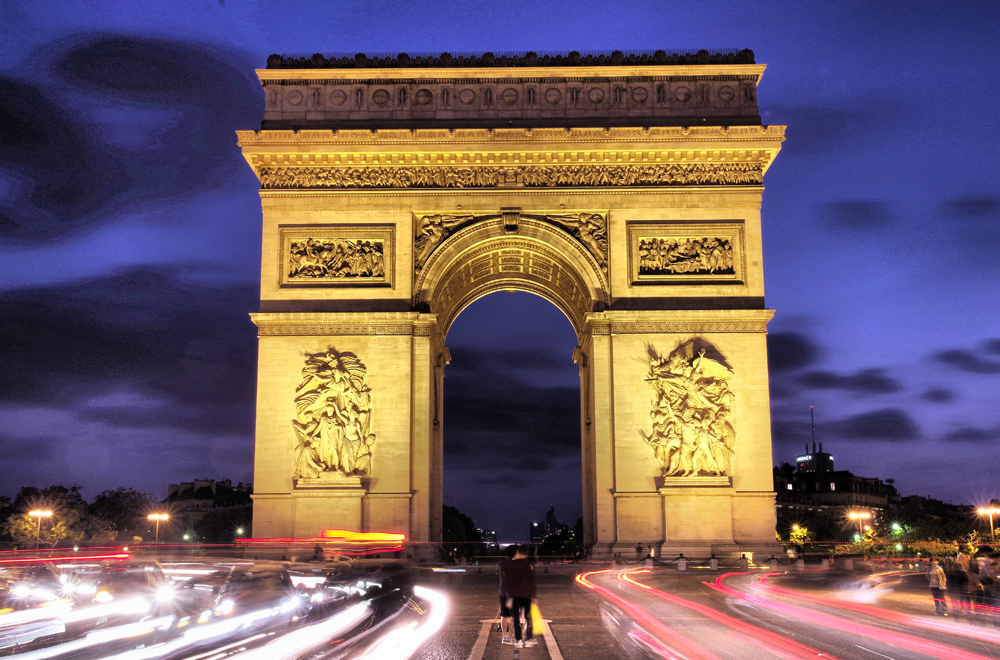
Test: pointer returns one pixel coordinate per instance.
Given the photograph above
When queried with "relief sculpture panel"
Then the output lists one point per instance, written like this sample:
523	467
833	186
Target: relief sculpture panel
332	424
685	253
692	434
336	256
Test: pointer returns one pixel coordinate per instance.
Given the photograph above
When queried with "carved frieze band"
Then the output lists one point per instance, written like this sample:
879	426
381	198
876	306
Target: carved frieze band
331	255
749	321
355	324
491	176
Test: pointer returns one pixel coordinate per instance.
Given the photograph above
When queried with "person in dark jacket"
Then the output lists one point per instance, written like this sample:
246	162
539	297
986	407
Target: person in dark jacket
521	592
505	622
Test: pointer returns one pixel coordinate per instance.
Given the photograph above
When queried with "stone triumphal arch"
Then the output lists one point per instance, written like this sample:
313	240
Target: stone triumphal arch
625	189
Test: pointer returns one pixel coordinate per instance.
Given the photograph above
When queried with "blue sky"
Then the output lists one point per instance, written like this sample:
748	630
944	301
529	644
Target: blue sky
130	229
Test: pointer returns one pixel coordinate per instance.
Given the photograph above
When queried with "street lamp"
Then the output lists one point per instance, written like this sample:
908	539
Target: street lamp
158	517
38	532
860	516
990	512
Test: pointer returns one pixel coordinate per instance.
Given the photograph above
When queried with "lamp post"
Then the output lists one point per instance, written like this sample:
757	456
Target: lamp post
860	516
990	512
158	517
38	532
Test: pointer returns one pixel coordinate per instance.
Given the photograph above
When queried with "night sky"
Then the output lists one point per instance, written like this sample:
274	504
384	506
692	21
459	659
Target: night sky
130	239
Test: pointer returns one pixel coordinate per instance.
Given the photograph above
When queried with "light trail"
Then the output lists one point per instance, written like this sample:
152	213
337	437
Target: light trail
981	634
909	642
654	635
773	642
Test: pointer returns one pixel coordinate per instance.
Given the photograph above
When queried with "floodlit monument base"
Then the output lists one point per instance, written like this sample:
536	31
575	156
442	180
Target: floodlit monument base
626	193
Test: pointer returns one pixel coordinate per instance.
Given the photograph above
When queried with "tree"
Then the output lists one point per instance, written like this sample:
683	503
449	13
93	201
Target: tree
68	511
123	509
220	525
460	531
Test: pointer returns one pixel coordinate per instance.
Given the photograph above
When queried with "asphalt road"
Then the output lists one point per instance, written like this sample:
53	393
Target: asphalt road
704	615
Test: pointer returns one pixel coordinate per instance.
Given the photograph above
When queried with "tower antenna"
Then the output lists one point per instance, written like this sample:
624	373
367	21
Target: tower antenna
812	420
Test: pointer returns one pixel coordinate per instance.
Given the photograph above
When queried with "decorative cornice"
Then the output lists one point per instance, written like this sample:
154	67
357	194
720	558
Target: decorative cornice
540	176
510	59
679	321
506	135
344	323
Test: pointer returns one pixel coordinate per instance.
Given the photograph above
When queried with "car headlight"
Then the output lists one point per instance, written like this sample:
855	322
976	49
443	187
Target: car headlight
103	596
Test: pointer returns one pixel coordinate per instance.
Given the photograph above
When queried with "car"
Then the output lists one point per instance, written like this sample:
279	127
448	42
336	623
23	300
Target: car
261	594
37	584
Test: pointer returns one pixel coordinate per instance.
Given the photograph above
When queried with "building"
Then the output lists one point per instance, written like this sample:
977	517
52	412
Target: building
189	502
814	484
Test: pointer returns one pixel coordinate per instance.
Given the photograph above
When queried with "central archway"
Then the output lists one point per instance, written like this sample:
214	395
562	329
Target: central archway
512	252
488	256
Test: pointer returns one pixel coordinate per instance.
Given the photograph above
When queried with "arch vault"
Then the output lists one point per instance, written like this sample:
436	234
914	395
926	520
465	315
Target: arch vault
395	193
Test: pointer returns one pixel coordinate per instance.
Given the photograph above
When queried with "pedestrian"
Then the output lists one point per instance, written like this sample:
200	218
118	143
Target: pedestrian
521	593
976	594
991	587
958	585
938	582
505	621
638	553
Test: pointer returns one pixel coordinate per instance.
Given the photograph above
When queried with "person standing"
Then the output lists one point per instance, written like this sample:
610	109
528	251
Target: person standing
938	582
521	593
505	620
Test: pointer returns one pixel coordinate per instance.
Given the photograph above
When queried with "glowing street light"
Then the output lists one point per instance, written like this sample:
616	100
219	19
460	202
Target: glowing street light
860	516
158	517
990	512
38	532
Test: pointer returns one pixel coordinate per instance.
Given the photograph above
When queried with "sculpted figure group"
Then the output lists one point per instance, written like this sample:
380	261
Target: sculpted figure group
332	417
659	256
691	433
331	258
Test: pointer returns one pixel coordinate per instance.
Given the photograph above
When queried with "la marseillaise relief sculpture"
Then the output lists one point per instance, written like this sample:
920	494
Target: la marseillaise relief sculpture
625	188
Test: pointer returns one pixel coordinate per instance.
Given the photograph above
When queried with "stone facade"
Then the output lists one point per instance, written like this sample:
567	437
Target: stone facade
642	226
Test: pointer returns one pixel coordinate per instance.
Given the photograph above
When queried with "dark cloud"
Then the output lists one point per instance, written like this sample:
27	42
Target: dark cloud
788	351
186	350
184	99
60	173
493	407
968	361
890	424
857	215
938	395
870	381
973	207
972	434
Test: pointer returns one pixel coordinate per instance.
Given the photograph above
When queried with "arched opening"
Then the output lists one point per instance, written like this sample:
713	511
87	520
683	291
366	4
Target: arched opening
512	415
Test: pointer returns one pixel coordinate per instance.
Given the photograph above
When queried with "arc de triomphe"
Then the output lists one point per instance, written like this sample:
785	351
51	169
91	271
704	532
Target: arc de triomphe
626	189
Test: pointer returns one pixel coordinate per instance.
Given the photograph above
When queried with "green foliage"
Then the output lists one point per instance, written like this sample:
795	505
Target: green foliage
220	525
123	509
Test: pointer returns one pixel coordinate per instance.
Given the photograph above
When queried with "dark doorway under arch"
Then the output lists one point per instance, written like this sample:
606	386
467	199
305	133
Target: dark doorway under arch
512	415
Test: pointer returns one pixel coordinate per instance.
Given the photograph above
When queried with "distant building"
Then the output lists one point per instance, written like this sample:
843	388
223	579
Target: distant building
815	485
189	502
